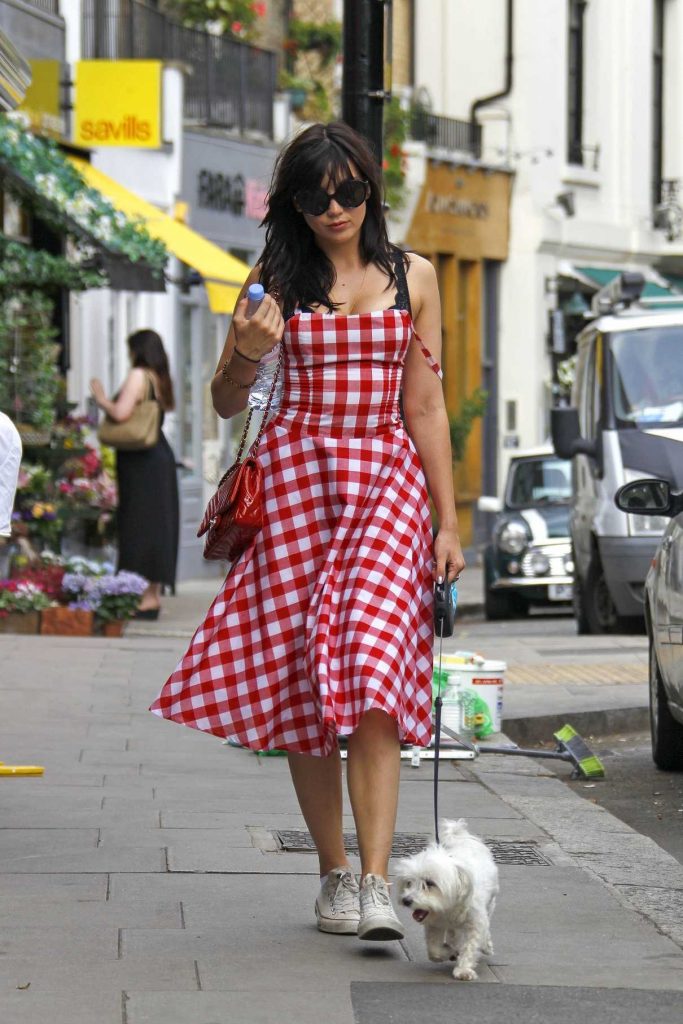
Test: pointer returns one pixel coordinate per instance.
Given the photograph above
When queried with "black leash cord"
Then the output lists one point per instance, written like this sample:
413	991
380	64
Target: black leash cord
437	738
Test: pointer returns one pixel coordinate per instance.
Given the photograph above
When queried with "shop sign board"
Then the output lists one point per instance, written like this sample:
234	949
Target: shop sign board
118	103
225	183
42	101
464	211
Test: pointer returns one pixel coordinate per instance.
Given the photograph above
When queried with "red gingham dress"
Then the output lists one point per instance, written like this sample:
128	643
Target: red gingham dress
329	612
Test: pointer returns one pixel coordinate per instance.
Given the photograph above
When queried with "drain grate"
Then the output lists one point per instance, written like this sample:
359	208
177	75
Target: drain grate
524	852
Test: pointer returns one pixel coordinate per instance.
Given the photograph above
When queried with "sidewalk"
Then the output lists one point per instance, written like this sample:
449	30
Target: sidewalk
142	880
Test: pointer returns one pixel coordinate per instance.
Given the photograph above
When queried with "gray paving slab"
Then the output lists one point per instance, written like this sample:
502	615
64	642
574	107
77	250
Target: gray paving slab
29	1007
241	1004
490	1004
64	942
100	859
50	887
213	840
90	976
105	914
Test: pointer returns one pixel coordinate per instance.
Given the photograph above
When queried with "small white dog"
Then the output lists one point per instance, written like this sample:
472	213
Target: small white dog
451	888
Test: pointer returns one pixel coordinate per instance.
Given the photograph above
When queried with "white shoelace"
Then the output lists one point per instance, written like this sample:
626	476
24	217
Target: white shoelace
376	892
345	895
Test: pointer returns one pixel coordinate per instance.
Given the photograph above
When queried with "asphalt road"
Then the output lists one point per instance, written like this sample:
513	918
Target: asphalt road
634	790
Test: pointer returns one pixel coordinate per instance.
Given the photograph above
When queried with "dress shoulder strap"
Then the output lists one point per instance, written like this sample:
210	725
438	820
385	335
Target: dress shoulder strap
402	293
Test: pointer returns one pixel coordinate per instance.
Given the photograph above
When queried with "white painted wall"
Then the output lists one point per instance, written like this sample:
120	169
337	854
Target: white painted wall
460	57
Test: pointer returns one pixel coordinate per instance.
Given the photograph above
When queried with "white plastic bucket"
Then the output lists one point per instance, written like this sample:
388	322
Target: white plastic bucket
485	680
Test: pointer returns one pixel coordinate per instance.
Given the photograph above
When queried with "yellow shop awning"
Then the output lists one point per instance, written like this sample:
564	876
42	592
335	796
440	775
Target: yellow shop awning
223	275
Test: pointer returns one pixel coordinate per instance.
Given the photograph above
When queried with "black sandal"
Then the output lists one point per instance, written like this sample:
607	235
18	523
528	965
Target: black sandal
152	614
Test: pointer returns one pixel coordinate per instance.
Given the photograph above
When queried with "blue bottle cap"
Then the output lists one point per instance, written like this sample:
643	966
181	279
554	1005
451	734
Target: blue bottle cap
255	292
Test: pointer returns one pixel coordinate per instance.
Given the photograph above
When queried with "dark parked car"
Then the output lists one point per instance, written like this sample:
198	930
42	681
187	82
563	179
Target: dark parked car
529	559
663	616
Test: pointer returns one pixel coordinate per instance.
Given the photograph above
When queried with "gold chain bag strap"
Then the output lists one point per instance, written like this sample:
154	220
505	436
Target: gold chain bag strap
234	515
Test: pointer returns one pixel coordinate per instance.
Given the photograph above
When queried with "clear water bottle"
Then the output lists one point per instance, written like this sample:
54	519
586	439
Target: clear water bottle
258	396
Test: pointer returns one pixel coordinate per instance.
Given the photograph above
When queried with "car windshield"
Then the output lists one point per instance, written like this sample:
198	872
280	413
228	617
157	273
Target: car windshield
647	376
539	482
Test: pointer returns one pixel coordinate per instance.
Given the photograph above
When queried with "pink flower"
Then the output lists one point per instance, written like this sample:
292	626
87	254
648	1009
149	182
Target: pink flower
259	9
236	27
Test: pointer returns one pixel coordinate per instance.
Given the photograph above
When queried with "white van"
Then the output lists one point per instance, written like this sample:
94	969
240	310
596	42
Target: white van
625	423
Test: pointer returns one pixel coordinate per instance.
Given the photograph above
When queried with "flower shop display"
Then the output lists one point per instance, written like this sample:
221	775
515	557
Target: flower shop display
66	502
21	603
111	597
72	597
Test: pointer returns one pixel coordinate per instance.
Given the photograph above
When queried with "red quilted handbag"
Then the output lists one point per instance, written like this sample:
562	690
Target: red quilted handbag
234	515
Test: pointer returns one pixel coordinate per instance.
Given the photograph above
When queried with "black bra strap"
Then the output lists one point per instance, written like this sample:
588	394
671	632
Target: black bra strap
402	293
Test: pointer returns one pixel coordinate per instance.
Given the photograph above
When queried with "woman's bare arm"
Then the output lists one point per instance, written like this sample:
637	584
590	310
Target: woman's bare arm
426	417
246	344
134	390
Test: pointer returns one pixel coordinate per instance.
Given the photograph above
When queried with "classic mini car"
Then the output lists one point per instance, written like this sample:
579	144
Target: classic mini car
663	616
529	559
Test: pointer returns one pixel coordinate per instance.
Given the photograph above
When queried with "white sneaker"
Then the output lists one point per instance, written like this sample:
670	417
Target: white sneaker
378	919
337	906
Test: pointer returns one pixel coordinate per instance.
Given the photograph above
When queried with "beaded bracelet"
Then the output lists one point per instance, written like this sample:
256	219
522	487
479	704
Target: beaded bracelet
230	380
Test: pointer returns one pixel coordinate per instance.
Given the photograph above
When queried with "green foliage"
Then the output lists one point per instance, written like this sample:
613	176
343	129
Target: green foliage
566	371
472	408
29	381
395	134
40	177
324	37
23	267
236	18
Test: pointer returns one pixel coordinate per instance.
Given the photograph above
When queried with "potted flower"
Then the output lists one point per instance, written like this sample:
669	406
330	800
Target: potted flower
21	604
111	598
119	599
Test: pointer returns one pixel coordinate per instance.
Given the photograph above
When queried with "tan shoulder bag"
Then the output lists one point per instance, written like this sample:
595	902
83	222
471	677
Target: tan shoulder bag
139	431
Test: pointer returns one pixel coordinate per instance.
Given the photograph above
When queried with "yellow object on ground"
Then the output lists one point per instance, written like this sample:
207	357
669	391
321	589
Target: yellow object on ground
20	769
223	274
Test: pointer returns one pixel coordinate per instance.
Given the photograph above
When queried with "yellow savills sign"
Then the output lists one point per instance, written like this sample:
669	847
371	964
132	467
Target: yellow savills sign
118	103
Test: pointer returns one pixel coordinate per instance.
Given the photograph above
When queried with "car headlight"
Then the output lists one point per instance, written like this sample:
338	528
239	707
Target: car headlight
512	538
539	564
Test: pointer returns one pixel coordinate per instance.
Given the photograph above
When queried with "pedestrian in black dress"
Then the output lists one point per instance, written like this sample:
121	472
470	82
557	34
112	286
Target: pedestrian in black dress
148	515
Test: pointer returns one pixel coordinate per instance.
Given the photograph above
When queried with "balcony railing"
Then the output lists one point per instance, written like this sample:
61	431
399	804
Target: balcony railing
232	83
51	6
445	132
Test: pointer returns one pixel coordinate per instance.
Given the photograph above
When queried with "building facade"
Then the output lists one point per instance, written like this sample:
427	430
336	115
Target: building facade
578	103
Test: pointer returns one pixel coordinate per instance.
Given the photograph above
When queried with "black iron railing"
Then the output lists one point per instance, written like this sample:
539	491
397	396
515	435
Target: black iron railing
445	132
51	6
232	83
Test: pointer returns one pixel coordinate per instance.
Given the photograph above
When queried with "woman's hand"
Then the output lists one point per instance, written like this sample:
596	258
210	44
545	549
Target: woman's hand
258	335
97	390
448	557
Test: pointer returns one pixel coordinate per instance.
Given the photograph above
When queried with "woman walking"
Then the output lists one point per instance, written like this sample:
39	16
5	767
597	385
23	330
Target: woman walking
323	628
148	517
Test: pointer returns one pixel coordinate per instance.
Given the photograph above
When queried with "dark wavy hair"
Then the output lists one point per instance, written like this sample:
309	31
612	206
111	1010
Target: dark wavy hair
147	351
291	265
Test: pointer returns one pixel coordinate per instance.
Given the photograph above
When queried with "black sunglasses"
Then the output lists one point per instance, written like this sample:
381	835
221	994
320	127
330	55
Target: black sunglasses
350	193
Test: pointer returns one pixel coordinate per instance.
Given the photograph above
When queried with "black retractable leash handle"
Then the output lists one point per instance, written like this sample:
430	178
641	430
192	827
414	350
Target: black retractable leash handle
445	596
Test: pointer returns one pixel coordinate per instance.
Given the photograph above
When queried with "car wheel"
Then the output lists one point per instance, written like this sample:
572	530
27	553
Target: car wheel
598	607
497	606
666	732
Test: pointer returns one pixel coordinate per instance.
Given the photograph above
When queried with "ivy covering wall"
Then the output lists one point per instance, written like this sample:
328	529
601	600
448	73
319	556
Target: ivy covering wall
94	238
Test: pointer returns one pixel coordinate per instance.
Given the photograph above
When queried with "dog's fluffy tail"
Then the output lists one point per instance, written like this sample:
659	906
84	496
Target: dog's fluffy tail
449	829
